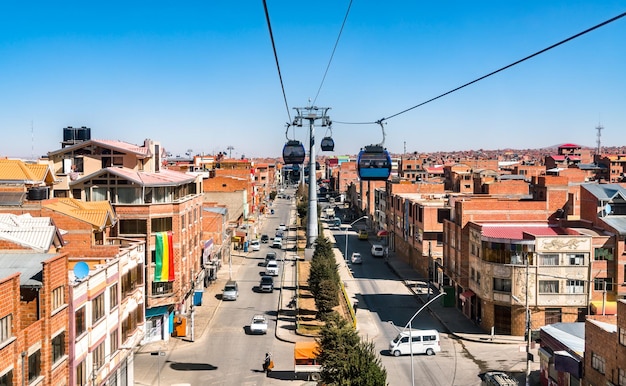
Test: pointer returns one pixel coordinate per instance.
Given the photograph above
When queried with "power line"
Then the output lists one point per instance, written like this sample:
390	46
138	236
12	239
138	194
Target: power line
333	53
282	86
496	71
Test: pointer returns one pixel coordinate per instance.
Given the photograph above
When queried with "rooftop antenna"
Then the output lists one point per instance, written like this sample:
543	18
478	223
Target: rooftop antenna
32	140
230	149
599	128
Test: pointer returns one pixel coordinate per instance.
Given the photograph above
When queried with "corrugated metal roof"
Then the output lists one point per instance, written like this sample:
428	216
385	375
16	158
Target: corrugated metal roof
28	264
572	335
99	214
517	231
218	210
605	192
111	144
36	233
163	178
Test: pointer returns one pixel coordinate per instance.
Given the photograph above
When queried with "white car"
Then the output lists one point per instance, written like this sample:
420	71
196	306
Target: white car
277	243
255	245
258	325
356	258
282	227
271	269
377	250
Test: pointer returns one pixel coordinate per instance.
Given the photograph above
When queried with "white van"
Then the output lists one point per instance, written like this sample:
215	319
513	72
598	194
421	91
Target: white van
424	341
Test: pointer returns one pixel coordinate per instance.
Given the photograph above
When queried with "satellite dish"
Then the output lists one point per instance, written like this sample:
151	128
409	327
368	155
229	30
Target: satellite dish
607	208
81	269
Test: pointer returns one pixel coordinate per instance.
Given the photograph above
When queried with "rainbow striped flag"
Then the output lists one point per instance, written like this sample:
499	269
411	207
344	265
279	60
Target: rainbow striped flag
164	257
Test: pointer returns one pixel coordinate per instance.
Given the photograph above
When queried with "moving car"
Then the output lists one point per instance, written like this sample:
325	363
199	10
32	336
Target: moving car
266	284
258	325
265	239
277	243
269	256
377	250
363	235
423	341
230	291
282	227
255	245
356	258
271	268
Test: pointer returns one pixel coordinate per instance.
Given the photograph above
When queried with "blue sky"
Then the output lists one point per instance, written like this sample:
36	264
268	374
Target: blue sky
201	75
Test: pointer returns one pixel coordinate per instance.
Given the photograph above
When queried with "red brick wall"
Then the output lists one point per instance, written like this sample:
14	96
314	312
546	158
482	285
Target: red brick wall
604	344
10	295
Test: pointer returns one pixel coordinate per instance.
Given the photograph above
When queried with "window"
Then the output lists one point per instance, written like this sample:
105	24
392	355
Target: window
98	356
6	328
34	365
161	224
600	283
58	347
162	288
576	258
113	296
621	377
549	259
115	340
622	336
58	297
548	286
133	227
6	379
603	254
79	321
597	362
575	287
81	374
97	308
501	285
553	315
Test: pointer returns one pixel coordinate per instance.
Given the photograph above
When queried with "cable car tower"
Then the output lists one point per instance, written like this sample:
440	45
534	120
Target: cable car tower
312	114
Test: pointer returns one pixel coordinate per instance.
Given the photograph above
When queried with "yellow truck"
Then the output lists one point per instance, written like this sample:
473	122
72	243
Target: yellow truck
305	360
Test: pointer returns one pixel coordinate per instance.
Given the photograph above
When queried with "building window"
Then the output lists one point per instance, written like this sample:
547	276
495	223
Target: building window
576	258
548	286
501	285
113	296
603	254
575	287
622	336
161	224
6	379
97	308
553	315
81	374
115	340
597	362
621	377
98	356
34	365
602	283
162	288
548	259
58	347
58	297
79	321
133	227
6	328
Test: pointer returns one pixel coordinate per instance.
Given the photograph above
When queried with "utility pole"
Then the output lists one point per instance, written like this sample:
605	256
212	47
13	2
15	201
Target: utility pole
230	151
528	325
312	113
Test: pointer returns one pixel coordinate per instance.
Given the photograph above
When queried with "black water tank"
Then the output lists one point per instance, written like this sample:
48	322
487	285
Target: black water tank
38	193
83	134
69	134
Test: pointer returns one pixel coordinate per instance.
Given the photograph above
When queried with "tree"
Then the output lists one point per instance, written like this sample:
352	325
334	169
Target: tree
327	298
346	359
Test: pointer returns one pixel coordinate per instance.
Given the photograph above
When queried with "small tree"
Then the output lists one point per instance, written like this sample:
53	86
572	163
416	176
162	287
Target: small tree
327	298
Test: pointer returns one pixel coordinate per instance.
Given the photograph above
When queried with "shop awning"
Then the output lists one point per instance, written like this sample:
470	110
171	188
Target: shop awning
610	308
382	233
467	294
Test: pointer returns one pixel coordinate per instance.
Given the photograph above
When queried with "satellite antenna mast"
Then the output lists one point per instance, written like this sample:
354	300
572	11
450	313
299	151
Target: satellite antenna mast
32	140
599	128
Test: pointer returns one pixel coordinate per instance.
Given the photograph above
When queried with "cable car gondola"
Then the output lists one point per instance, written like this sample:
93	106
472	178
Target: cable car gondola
374	163
327	144
293	153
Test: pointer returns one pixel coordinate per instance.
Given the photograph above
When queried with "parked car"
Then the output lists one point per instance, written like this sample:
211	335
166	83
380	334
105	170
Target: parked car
258	325
230	291
377	250
265	239
266	284
255	245
271	268
363	235
356	258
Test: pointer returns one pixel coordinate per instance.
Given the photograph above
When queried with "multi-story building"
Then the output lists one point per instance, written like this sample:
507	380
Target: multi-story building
159	206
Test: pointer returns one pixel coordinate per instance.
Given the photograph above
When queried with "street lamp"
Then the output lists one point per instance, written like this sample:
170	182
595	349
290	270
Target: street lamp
528	321
345	255
408	325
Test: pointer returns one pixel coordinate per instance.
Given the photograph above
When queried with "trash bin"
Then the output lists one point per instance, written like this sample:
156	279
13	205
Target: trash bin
197	297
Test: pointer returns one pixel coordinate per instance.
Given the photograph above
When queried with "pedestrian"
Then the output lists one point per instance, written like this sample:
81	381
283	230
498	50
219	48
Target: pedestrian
355	306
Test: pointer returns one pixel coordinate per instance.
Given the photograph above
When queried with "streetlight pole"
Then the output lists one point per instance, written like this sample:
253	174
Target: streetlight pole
345	255
408	325
528	322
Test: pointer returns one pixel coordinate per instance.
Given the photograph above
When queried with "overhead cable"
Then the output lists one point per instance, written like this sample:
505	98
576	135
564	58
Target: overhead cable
282	86
333	53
